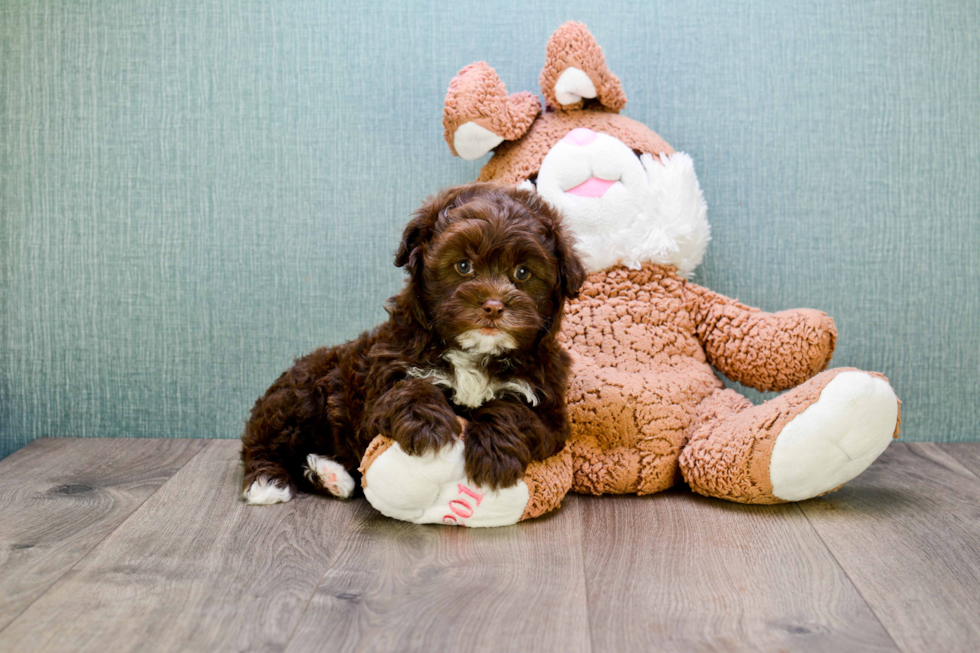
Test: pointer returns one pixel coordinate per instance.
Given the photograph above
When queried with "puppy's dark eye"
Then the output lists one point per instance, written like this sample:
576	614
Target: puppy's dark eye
522	273
464	267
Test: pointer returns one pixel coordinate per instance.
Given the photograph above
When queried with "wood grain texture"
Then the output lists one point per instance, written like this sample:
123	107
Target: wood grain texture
966	453
194	569
403	587
889	562
60	497
907	532
680	572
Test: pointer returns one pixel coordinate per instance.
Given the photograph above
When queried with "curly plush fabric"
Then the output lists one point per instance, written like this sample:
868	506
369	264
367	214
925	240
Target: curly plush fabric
765	351
477	95
731	443
730	453
639	376
378	446
644	342
572	46
646	407
548	481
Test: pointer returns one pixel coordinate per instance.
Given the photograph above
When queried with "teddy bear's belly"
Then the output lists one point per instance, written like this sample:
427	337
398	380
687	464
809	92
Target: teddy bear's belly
639	375
629	425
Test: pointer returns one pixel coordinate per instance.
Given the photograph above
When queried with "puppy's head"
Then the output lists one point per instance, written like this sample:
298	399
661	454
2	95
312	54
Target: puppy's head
490	267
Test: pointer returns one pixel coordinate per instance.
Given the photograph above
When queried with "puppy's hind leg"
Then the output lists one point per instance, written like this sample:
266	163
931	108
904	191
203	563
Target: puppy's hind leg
265	483
329	475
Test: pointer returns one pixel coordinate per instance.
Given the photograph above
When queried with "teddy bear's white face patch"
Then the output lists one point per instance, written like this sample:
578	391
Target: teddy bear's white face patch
623	208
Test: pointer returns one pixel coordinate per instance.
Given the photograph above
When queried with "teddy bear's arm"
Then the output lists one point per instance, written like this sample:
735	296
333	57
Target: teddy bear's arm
765	351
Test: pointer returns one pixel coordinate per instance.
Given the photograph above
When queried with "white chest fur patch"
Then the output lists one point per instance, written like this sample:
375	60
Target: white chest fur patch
472	386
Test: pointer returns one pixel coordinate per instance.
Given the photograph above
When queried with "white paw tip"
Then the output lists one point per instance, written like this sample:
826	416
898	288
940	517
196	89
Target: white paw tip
834	439
330	475
264	492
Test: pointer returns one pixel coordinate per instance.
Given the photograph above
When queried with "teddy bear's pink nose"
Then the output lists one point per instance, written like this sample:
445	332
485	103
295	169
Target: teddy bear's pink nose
580	136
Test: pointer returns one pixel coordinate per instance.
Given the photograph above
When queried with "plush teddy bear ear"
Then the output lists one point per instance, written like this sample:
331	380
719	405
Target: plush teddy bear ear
479	115
575	70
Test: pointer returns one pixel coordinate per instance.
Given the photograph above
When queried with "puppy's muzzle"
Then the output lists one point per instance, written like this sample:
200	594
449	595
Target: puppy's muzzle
493	308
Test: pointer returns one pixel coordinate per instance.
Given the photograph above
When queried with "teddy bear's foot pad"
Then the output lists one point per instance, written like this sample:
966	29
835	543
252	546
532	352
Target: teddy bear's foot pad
433	489
834	439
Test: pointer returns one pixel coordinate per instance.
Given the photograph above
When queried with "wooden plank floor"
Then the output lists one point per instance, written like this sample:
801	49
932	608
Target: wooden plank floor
144	545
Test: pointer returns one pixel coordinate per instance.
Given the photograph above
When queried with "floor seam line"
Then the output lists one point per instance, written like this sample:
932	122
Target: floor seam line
936	445
326	570
585	578
848	577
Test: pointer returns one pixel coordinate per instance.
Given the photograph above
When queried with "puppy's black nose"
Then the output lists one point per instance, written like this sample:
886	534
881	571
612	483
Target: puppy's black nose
494	308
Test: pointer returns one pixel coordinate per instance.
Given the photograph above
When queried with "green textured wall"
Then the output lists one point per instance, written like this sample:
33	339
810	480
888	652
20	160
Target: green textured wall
192	194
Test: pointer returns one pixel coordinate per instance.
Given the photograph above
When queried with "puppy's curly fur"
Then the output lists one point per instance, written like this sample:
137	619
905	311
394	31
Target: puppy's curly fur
471	335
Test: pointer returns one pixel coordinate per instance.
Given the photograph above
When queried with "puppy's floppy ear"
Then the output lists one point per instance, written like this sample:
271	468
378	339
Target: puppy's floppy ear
411	255
418	233
412	239
571	272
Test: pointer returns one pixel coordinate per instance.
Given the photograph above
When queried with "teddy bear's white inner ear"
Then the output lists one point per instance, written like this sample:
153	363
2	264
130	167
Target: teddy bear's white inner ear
573	85
472	141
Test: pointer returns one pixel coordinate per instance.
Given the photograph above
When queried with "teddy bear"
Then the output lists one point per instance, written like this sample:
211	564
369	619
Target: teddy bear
646	405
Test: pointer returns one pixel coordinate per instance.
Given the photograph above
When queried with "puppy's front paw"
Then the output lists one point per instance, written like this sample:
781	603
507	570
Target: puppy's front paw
489	461
420	428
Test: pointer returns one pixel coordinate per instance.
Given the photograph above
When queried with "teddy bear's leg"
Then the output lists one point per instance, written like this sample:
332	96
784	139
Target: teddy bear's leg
628	428
433	488
808	441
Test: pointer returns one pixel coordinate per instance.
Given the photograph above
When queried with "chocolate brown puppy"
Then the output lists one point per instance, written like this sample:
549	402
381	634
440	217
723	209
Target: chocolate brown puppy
472	335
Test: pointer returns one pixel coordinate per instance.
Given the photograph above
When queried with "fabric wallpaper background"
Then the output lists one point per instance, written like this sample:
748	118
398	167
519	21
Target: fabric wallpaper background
193	194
